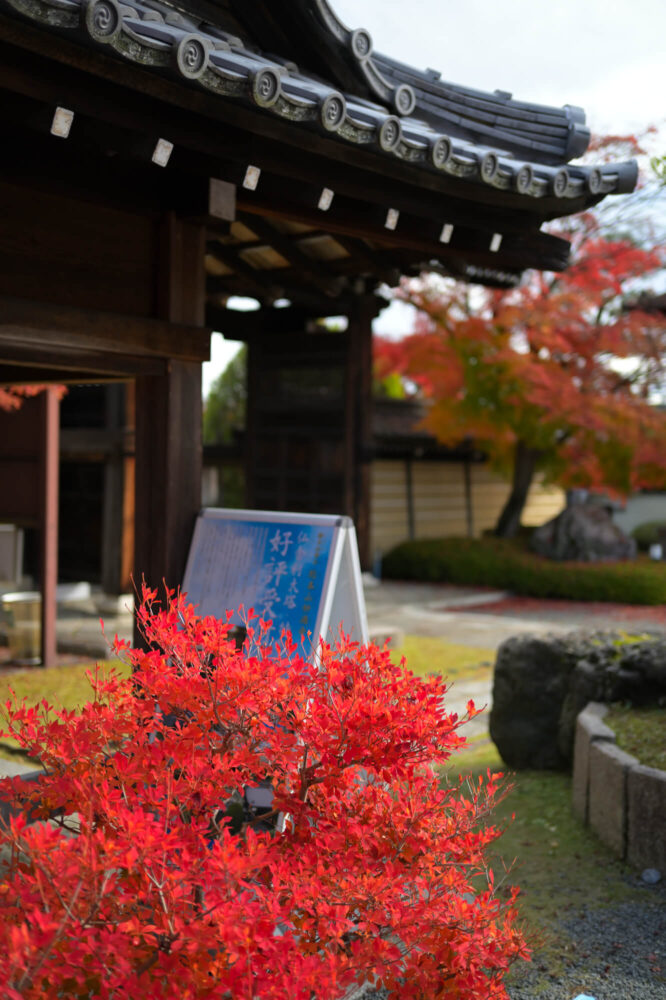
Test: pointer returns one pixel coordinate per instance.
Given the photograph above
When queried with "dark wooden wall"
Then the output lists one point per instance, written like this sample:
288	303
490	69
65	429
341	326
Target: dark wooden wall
57	249
308	441
89	293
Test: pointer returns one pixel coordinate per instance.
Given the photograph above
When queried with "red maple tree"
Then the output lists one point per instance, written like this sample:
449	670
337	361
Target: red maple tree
555	376
366	866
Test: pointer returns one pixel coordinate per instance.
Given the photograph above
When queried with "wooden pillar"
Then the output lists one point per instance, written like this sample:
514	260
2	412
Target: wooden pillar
359	420
168	420
114	489
50	454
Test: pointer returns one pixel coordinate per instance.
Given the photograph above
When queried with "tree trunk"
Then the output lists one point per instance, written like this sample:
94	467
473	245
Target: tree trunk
524	467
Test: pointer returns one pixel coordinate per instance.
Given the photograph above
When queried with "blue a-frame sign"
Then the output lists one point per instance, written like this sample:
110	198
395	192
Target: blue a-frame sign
301	571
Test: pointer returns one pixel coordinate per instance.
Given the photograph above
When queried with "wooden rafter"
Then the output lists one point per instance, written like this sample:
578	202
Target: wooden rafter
418	234
253	278
288	248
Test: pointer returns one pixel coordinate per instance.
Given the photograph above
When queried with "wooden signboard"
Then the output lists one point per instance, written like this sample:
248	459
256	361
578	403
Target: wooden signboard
301	571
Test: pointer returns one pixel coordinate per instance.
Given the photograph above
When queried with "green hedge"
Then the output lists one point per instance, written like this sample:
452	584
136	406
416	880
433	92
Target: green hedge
500	563
647	534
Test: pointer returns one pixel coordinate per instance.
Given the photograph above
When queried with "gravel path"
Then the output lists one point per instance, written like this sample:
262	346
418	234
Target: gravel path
618	953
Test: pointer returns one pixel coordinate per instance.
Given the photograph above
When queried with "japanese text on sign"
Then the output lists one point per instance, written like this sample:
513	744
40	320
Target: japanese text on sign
277	568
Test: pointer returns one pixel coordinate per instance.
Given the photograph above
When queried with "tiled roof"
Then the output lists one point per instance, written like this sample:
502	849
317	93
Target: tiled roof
487	140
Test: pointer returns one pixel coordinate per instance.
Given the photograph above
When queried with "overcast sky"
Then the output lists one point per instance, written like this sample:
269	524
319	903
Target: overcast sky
606	56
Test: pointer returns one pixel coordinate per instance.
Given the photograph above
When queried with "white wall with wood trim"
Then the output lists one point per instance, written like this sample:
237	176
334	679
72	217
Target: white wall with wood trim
388	505
442	502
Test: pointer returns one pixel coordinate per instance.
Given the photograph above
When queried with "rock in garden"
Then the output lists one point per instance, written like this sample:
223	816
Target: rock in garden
651	876
530	684
542	683
584	532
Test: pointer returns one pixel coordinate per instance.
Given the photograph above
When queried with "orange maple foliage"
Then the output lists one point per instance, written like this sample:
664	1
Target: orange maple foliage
376	870
557	367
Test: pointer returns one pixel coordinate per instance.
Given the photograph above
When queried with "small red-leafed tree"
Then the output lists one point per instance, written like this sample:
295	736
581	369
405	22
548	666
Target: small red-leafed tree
169	884
13	396
555	376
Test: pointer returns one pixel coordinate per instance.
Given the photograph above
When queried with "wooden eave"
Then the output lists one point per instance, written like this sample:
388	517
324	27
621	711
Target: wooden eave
405	193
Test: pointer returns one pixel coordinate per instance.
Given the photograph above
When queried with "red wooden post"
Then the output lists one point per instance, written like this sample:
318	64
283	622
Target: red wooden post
50	429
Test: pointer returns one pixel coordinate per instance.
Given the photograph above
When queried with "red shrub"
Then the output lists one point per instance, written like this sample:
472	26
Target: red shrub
173	886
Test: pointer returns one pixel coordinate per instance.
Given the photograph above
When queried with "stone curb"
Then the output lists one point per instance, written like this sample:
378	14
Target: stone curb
646	795
589	729
607	802
381	634
623	801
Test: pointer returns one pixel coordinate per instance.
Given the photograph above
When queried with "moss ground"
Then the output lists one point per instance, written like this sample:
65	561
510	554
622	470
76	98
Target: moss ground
560	866
640	732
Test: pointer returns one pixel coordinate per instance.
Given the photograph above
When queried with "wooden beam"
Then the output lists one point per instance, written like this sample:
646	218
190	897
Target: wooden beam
168	472
467	206
289	249
117	439
181	298
298	292
359	250
236	325
21	363
533	250
52	326
80	169
29	375
128	96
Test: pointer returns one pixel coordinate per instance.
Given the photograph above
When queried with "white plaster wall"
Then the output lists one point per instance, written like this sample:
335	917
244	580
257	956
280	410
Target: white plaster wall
640	508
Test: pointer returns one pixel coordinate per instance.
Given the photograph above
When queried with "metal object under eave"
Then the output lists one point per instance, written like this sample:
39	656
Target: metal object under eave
484	170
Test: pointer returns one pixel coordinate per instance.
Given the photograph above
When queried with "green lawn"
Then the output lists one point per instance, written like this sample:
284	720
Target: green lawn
427	655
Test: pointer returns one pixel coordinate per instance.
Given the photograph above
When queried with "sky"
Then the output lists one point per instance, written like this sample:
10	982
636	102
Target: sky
606	56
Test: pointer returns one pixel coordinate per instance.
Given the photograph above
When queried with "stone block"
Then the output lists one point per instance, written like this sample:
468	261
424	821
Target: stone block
589	728
607	800
391	634
530	682
646	833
